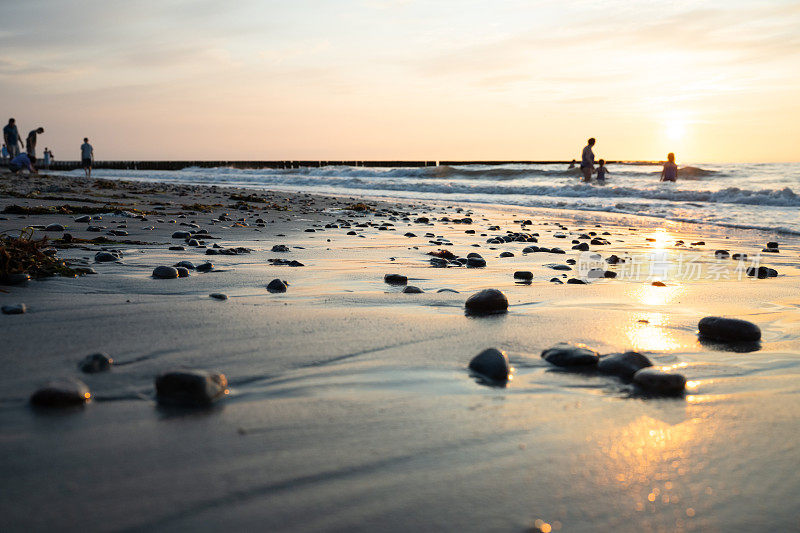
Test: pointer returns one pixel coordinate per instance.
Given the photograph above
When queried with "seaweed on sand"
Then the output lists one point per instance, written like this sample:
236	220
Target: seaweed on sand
26	255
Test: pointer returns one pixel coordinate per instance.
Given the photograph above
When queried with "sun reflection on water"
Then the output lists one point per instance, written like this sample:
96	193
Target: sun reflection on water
649	332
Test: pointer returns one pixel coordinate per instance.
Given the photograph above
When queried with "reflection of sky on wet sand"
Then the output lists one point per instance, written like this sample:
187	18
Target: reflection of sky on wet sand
650	331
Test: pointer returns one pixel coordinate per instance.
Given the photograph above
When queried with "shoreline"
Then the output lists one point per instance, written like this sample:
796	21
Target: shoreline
351	405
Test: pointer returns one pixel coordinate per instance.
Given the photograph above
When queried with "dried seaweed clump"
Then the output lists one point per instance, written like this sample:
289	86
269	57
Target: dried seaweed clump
25	255
358	207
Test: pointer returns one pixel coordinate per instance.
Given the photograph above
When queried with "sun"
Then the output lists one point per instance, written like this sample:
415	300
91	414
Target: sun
676	130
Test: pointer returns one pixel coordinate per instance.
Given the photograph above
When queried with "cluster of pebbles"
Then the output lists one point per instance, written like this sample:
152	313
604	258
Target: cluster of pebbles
492	365
179	387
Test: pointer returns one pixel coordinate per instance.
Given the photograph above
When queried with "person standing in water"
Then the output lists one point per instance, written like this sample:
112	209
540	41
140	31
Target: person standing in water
670	171
602	171
587	160
48	158
87	156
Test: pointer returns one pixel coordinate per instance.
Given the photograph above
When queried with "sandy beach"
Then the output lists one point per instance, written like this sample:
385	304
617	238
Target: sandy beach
351	406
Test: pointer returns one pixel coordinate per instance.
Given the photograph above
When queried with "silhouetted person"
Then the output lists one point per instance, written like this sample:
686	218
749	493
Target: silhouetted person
602	171
571	165
48	158
4	153
587	160
30	142
11	137
87	156
22	161
670	171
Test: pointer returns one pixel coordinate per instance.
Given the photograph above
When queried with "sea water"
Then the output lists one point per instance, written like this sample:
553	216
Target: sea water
758	195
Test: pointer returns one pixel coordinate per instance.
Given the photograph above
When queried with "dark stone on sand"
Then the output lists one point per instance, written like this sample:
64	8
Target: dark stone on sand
105	257
276	285
567	354
523	274
395	279
280	248
575	281
771	250
177	248
658	284
181	235
447	290
555	266
739	257
624	365
54	227
772	244
61	393
409	234
493	364
84	218
193	242
218	296
438	262
656	381
507	254
556	251
96	362
722	254
185	264
762	272
13	309
582	247
352	233
212	251
411	289
487	301
183	272
530	249
165	272
728	329
295	264
476	262
205	267
556	281
190	387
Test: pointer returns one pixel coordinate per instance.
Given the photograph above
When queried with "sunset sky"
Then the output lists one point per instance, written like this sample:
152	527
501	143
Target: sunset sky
405	79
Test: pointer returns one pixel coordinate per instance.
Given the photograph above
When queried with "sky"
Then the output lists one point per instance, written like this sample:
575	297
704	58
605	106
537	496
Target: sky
711	81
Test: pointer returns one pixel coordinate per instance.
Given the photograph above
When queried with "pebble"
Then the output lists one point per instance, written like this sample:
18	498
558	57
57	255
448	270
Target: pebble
219	296
493	364
54	227
575	281
411	289
190	387
84	218
105	257
181	235
177	248
487	301
165	272
567	354
276	285
96	362
205	267
728	329
280	248
507	254
523	275
556	281
656	381
395	279
185	264
183	272
476	262
558	267
583	247
61	393
14	309
762	272
658	284
16	278
624	365
447	290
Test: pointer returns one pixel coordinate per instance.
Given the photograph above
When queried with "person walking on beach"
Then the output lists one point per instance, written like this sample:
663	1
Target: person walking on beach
587	160
87	155
30	142
48	158
11	137
670	171
21	161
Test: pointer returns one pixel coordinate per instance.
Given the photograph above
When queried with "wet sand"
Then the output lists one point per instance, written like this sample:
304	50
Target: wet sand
351	406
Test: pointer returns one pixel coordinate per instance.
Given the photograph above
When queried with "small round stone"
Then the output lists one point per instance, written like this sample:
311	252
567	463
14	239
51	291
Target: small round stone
656	381
395	279
185	264
165	272
205	267
62	393
183	272
276	285
96	362
105	257
523	275
728	329
493	364
410	289
190	387
487	301
181	235
14	309
219	296
567	354
624	365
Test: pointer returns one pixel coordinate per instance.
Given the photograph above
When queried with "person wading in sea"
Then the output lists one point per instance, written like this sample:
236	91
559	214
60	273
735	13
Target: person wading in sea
587	160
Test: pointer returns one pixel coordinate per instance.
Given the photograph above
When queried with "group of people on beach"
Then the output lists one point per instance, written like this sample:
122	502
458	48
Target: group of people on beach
18	161
668	173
